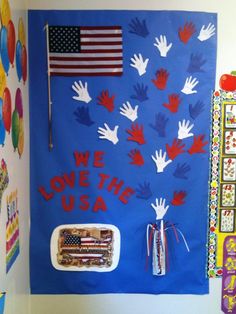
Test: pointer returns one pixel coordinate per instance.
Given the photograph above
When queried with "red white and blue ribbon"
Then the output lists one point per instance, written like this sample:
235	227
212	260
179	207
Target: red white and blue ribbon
157	242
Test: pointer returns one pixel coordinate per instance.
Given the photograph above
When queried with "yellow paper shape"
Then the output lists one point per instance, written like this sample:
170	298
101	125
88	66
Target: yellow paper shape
21	32
5	12
21	137
3	80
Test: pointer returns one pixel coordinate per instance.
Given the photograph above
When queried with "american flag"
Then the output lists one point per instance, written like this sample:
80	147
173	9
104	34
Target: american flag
85	51
86	247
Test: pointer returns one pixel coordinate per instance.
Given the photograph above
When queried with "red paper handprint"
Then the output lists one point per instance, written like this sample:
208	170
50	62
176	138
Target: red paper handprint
174	101
137	158
106	101
186	33
176	149
179	198
197	146
161	79
136	133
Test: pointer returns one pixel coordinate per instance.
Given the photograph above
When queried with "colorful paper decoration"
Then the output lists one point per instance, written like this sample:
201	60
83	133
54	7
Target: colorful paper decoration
2	302
223	180
228	301
228	82
5	12
4	179
12	230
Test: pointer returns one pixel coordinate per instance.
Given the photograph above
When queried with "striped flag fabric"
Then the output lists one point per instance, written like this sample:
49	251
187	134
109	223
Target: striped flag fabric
82	247
85	51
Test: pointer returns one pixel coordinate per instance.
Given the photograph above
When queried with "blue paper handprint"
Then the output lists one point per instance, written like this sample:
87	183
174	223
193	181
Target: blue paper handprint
83	116
138	28
160	124
144	191
141	92
195	63
196	110
181	171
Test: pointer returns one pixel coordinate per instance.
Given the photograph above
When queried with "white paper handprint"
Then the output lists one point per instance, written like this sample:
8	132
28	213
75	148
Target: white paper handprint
81	91
184	128
160	208
162	46
129	112
206	33
160	160
108	134
139	64
189	85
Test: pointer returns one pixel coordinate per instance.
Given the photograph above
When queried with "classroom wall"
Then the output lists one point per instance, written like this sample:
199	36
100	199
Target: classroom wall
16	282
140	304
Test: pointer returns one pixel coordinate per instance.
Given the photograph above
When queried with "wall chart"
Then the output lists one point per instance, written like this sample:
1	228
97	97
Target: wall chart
223	179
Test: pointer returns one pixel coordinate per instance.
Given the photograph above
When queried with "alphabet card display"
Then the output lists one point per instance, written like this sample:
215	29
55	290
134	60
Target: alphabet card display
223	178
119	168
12	230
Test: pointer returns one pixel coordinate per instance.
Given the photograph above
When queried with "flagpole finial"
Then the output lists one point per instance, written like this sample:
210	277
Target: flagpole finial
45	26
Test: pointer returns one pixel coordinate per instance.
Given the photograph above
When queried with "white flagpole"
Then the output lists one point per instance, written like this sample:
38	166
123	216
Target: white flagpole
50	144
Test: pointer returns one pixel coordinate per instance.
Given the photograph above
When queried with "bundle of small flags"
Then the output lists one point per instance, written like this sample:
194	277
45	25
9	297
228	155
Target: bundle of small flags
156	236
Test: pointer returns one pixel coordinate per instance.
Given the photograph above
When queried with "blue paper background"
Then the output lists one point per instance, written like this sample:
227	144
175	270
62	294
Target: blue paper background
187	270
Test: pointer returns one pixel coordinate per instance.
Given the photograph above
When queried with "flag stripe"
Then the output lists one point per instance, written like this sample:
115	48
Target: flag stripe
103	42
84	246
95	31
60	70
101	48
88	62
84	28
114	35
85	55
85	73
100	52
85	66
89	59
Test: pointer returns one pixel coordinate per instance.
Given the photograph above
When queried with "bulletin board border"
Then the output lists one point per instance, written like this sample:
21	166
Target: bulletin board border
219	97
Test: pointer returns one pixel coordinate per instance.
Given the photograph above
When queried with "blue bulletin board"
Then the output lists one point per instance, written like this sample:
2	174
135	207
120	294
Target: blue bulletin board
120	203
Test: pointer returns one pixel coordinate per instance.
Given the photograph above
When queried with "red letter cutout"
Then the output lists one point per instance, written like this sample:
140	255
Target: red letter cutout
99	204
103	177
97	161
81	158
83	178
57	184
68	207
70	179
126	194
46	196
84	202
116	185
